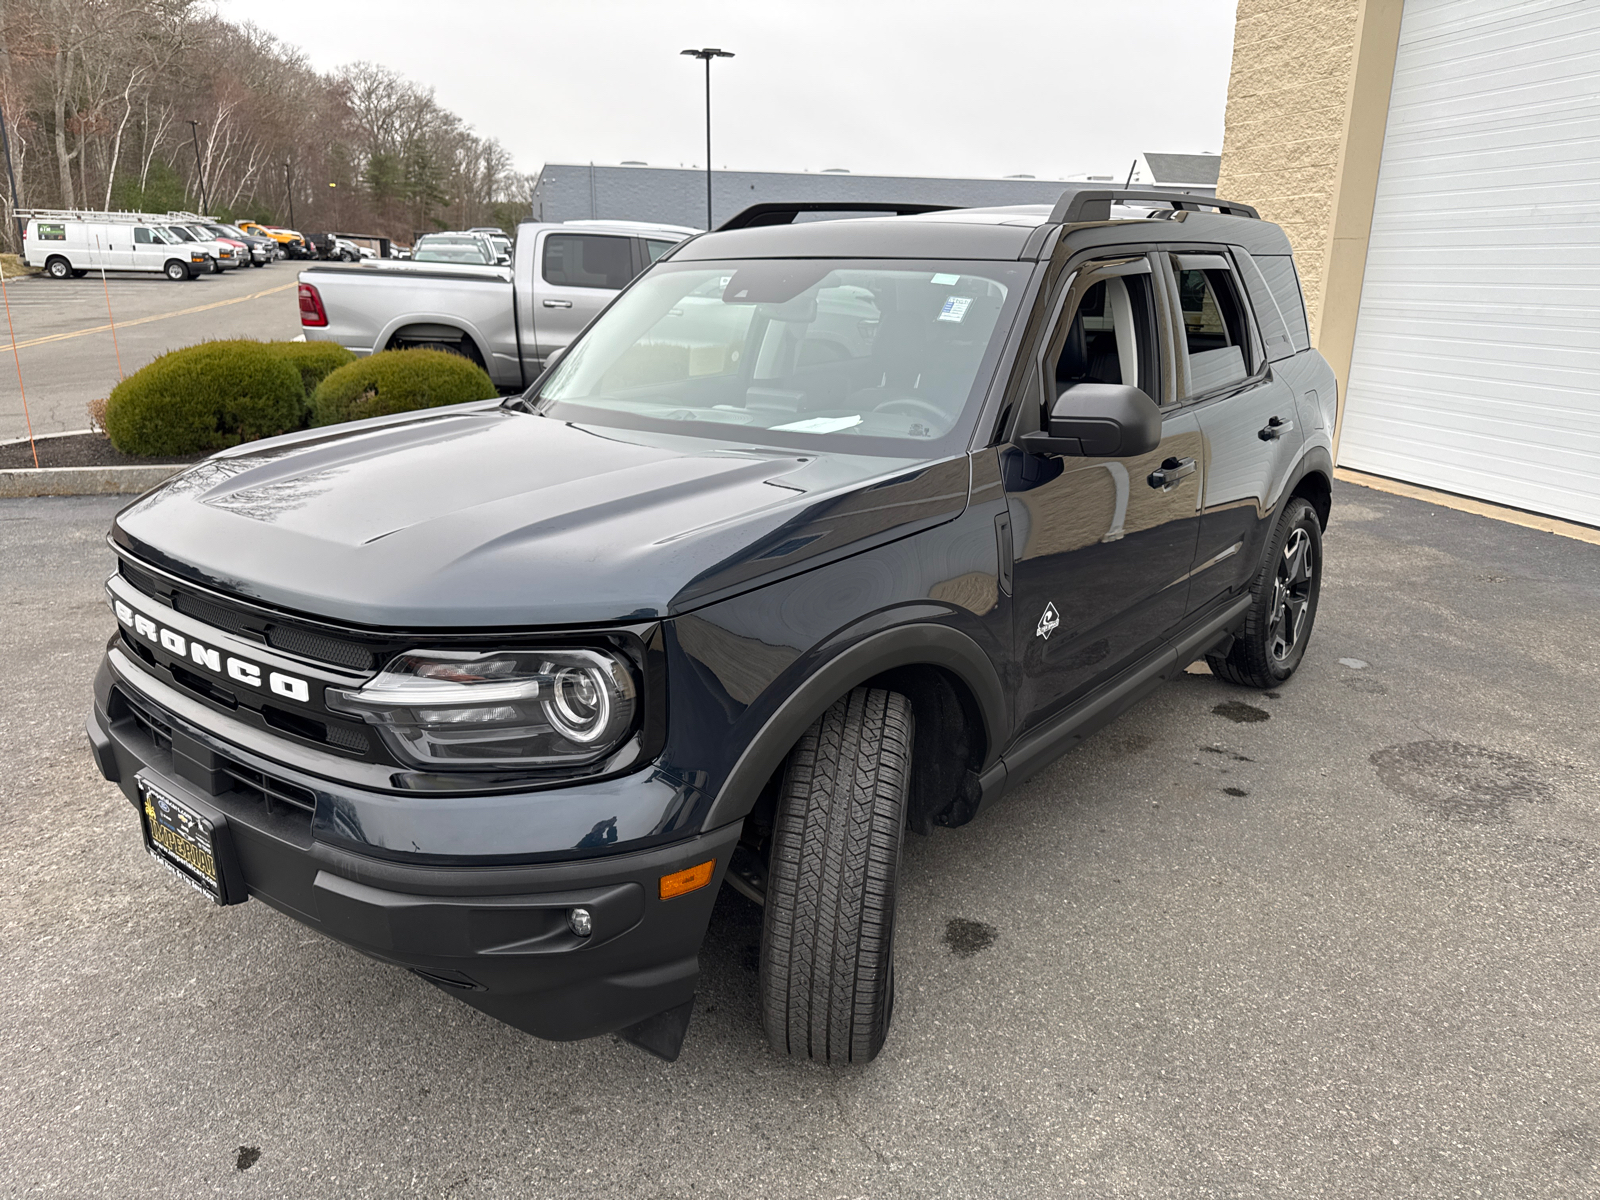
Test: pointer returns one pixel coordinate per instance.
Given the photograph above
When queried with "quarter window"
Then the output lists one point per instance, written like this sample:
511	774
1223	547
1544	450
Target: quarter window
1215	330
654	249
588	261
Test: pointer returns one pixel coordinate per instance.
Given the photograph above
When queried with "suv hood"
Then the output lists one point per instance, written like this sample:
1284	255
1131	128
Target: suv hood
493	517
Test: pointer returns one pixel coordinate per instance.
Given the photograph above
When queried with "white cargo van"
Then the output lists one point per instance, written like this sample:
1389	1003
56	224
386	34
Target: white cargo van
68	244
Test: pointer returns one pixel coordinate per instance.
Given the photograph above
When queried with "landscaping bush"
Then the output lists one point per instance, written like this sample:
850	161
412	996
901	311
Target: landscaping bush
204	398
396	381
314	360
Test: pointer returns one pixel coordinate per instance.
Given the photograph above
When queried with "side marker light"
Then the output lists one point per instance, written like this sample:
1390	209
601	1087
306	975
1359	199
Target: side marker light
689	880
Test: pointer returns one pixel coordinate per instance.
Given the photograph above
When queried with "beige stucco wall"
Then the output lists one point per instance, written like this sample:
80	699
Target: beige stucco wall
1288	100
1308	104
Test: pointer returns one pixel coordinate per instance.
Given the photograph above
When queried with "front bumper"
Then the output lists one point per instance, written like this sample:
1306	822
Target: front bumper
495	936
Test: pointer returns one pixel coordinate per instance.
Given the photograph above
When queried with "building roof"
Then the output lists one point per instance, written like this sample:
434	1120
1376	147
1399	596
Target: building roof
1175	170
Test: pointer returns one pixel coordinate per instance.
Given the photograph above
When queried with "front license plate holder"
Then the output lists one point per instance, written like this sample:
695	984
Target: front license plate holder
192	840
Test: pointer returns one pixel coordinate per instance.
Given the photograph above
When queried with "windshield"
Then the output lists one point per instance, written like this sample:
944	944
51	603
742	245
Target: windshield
163	233
179	233
867	357
452	250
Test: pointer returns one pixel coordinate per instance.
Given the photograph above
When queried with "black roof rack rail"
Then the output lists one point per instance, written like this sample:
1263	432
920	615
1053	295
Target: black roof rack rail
785	211
1095	204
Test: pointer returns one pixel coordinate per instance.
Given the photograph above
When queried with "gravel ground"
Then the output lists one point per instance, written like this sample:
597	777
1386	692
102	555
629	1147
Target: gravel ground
1334	941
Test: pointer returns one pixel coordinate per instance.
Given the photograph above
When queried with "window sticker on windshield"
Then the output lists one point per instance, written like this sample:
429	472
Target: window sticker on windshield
819	425
946	280
955	307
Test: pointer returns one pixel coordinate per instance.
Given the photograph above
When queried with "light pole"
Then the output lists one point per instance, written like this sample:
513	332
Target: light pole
194	132
708	53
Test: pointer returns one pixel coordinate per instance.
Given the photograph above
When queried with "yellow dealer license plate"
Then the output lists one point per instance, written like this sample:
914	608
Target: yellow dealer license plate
183	841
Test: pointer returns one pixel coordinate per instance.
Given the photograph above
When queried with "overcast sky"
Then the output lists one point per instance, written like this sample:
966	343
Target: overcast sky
936	87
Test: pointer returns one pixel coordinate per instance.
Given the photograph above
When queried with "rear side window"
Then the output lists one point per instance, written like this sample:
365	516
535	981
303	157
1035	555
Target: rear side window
1284	283
1215	328
588	261
1269	317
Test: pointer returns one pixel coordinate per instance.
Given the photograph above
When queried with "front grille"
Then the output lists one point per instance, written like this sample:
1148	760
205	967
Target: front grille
257	626
266	788
246	780
219	615
149	723
319	646
142	580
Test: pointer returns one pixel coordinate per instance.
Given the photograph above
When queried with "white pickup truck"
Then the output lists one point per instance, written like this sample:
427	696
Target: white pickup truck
508	319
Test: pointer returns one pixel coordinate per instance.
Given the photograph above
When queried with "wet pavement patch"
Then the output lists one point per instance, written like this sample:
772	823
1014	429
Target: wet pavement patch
965	938
248	1157
1237	710
1233	791
1460	782
1233	754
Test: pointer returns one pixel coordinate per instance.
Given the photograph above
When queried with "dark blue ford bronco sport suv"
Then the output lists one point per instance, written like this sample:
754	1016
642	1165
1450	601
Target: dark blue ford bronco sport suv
823	530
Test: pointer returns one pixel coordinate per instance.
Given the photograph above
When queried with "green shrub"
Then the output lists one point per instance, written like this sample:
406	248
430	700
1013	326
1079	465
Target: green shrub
206	397
396	381
314	360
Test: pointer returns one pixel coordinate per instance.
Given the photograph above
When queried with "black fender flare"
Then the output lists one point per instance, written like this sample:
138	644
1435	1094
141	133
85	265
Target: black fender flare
1315	461
918	644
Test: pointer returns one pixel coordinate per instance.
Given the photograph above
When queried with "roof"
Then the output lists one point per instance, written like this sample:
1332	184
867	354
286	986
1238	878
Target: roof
1177	169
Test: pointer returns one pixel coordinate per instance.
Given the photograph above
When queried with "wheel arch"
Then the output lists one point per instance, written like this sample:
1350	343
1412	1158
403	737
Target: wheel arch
1314	482
949	679
433	329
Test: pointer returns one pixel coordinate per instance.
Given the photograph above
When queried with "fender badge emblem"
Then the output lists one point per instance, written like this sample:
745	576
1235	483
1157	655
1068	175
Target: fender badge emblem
1048	622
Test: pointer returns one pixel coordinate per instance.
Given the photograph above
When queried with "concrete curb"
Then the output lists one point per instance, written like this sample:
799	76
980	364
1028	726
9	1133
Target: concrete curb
84	481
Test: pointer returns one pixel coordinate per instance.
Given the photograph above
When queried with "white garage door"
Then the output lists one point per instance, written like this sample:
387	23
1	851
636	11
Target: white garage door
1477	351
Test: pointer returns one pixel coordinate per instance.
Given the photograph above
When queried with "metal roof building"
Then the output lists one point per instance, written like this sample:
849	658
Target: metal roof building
677	195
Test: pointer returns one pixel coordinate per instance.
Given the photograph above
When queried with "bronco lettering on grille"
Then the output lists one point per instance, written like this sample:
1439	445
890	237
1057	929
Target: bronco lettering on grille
237	670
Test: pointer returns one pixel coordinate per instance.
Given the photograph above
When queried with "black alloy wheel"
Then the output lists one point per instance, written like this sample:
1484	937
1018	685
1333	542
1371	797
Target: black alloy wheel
1270	644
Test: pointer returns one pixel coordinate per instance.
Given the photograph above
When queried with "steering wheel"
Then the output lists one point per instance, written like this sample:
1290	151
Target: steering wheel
910	406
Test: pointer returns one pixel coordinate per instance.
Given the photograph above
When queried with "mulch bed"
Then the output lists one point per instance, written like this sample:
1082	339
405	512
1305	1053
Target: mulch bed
80	450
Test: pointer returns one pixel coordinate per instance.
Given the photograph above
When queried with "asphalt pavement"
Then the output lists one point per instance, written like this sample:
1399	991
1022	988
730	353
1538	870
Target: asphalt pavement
1338	940
68	353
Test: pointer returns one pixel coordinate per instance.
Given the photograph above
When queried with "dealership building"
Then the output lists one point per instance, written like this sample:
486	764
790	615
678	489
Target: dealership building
677	195
1436	164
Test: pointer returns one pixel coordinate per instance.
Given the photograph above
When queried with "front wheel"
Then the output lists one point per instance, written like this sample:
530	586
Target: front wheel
1277	625
827	943
58	268
177	270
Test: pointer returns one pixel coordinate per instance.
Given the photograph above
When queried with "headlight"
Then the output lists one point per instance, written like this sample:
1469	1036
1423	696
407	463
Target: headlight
505	708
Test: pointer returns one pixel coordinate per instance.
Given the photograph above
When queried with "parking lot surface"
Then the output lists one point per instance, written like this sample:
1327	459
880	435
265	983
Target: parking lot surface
1338	940
65	344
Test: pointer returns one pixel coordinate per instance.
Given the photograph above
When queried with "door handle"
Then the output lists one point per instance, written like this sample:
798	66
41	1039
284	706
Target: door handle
1171	471
558	303
1274	429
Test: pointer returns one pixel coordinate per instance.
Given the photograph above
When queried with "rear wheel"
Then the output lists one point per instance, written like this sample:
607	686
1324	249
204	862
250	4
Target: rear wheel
1277	626
463	349
177	270
827	946
79	272
58	268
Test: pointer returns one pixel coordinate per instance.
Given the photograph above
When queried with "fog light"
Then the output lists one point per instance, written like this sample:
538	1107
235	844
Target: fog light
580	920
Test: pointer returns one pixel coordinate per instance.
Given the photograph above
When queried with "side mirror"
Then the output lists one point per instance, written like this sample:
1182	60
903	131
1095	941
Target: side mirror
503	260
1099	420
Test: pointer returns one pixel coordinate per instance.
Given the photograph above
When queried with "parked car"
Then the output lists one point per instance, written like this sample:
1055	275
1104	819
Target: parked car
510	320
225	252
504	692
469	249
292	243
261	250
69	245
497	238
